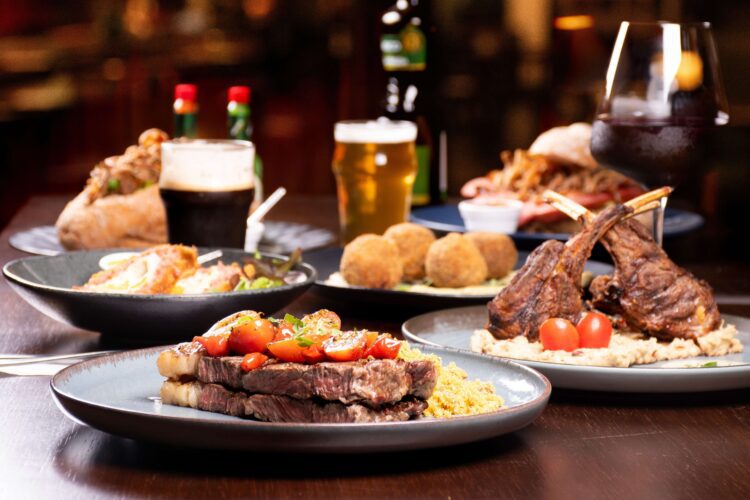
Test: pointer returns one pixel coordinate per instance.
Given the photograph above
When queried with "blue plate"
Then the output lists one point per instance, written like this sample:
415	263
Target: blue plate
447	219
119	394
454	327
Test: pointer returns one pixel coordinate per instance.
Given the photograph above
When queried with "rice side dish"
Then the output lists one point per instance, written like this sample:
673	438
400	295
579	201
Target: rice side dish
625	349
454	394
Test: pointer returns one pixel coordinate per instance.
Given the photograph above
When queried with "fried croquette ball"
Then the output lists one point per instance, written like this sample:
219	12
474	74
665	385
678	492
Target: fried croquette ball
371	261
412	242
498	250
453	261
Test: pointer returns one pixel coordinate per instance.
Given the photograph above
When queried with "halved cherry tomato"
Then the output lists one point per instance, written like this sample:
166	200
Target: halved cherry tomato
216	345
323	320
313	354
284	330
287	350
371	338
349	346
558	334
251	336
594	330
385	347
252	361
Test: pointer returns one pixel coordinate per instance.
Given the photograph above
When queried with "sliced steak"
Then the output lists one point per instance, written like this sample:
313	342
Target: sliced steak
373	382
274	408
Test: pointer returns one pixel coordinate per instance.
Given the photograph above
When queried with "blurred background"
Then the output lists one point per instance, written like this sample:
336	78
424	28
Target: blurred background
79	80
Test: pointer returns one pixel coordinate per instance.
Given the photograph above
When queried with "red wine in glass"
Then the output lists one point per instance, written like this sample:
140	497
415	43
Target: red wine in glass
663	96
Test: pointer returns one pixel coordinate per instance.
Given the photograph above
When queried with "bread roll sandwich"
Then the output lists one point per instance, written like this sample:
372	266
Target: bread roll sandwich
120	204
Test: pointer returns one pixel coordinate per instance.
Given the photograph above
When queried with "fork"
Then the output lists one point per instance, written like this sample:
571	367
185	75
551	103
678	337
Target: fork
28	359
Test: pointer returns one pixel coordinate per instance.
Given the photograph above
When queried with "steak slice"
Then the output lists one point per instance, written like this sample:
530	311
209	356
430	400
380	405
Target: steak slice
373	382
274	408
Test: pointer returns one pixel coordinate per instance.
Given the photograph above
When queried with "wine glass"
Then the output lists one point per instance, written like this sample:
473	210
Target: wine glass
663	94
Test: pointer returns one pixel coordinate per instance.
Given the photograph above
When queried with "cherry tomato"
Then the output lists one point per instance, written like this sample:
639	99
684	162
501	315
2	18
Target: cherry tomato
287	350
323	320
594	330
371	338
385	347
251	336
284	330
349	346
558	334
216	345
314	354
252	361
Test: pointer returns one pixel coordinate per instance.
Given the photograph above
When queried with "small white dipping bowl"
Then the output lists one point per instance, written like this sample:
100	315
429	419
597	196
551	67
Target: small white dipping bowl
496	217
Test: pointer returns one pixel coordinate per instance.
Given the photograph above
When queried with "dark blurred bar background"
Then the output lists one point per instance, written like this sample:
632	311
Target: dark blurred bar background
79	80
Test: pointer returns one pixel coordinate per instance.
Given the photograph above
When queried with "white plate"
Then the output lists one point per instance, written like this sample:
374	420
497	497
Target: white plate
454	327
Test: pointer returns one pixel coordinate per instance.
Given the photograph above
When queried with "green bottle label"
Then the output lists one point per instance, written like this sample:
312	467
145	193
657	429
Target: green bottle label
405	51
421	189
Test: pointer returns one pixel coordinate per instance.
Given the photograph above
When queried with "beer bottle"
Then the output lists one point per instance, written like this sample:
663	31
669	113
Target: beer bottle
185	110
404	50
240	127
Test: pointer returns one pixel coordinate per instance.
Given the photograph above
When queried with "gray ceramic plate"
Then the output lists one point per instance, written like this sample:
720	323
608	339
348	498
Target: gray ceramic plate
118	394
453	328
45	283
278	237
326	261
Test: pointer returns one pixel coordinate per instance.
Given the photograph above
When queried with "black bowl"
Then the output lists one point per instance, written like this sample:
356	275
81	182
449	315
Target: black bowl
46	282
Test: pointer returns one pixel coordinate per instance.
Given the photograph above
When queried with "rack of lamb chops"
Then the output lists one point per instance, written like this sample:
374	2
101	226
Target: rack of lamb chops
648	290
549	283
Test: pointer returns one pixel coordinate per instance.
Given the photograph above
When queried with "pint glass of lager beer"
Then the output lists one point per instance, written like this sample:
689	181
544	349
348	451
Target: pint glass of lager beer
375	164
207	187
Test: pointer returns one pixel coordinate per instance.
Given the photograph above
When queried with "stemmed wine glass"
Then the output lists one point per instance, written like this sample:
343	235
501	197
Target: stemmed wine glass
663	93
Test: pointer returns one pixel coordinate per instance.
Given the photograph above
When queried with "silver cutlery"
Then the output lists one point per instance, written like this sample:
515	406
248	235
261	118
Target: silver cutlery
27	359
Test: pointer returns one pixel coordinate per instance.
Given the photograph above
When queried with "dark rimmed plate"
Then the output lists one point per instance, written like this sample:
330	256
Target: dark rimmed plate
117	394
447	219
278	237
326	261
453	328
45	283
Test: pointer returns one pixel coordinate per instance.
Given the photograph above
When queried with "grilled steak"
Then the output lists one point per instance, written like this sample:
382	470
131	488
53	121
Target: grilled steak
549	283
652	293
274	408
373	382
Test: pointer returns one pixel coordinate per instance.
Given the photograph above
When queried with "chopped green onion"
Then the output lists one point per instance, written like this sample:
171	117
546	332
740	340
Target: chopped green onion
710	364
113	185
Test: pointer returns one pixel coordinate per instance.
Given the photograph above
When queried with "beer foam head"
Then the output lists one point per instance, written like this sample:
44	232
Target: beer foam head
381	131
198	165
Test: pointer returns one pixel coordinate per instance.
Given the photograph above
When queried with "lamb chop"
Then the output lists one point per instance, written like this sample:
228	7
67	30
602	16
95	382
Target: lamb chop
651	293
549	283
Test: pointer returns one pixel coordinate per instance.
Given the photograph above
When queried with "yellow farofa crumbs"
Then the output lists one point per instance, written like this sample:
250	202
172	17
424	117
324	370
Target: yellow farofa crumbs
454	393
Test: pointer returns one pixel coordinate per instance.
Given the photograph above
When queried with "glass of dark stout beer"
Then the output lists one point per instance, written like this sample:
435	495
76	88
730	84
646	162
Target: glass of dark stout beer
663	95
207	187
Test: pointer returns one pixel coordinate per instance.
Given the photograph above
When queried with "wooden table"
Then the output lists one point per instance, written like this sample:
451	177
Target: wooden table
585	445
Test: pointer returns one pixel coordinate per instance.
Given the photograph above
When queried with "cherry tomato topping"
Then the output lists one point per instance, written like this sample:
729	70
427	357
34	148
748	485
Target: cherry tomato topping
323	319
385	347
558	334
252	361
251	336
349	346
287	350
216	345
371	338
314	354
284	330
594	330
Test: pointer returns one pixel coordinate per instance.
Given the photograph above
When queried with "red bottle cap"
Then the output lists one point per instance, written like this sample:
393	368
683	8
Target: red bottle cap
185	91
240	94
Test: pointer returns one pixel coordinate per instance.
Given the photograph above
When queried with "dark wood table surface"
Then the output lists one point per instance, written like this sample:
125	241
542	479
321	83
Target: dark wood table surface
585	445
